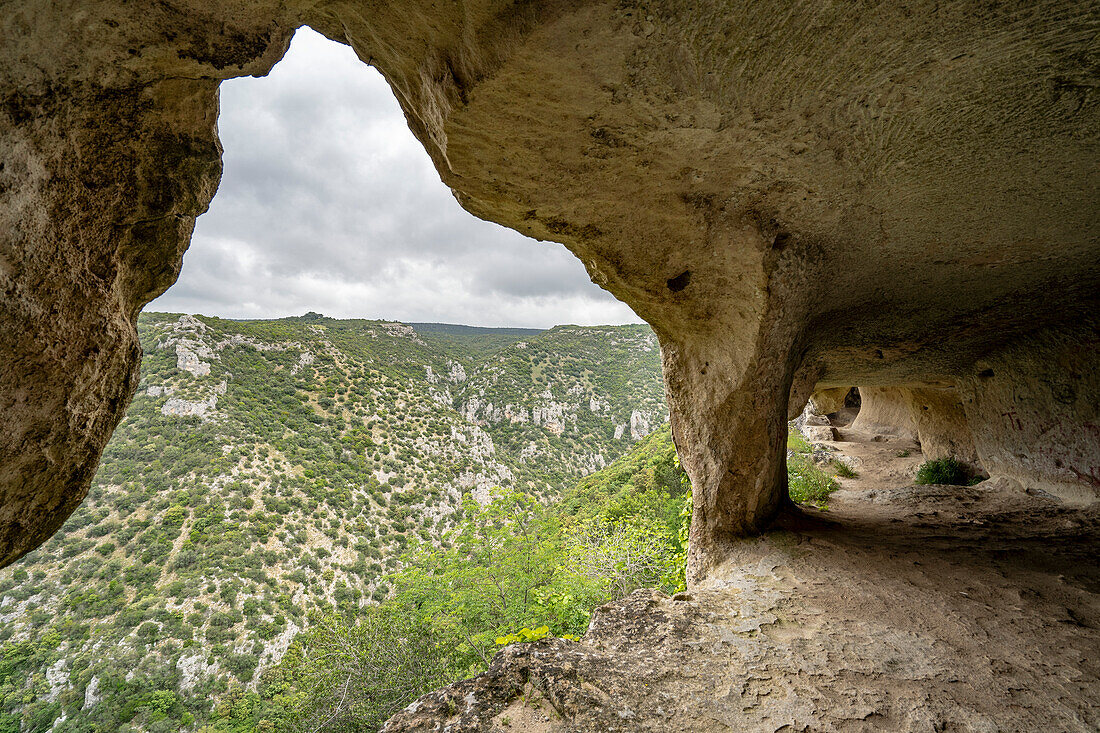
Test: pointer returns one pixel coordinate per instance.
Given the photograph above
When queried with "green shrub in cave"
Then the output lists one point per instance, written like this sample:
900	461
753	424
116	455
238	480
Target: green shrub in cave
948	471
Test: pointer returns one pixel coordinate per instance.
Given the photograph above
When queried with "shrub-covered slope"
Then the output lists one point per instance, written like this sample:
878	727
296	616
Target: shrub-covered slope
269	468
510	571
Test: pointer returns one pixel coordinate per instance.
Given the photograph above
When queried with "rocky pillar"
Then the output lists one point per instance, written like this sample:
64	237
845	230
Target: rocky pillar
942	427
729	421
887	411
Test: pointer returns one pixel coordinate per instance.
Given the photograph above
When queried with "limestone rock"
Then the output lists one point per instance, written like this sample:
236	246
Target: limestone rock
92	695
793	194
820	433
189	357
868	618
1035	416
176	407
304	360
886	411
812	420
457	373
57	676
828	401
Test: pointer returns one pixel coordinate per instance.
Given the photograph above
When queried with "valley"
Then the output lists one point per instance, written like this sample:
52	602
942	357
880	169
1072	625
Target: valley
269	472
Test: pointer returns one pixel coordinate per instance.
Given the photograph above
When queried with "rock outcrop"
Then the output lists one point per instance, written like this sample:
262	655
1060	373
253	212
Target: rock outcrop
882	618
828	401
792	193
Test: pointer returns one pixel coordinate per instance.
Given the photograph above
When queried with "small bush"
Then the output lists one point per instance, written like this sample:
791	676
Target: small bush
843	470
806	483
243	666
943	471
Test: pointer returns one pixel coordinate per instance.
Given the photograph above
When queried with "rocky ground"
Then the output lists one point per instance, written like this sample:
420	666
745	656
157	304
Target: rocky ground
901	607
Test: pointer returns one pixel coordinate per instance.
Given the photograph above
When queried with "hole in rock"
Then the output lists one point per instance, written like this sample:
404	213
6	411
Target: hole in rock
846	415
681	281
328	203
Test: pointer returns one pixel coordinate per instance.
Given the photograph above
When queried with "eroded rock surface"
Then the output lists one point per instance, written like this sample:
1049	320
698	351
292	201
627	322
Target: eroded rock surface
935	417
792	193
905	608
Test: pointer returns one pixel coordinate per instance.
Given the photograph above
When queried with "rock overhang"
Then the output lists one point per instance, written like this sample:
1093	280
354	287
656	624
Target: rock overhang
789	193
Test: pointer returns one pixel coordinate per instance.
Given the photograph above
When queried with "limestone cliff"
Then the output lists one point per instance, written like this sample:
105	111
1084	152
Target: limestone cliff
795	194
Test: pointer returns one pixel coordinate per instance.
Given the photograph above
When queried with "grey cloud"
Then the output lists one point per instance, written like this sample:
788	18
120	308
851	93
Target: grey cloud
328	203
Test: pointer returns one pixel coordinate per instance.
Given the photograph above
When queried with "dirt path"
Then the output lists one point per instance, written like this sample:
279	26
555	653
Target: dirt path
900	608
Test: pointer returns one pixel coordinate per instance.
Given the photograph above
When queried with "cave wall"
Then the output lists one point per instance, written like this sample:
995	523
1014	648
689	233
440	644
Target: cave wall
1035	413
942	425
828	401
886	411
104	171
1027	412
102	189
793	194
933	416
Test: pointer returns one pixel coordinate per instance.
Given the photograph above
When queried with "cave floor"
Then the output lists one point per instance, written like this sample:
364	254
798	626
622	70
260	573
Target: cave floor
900	607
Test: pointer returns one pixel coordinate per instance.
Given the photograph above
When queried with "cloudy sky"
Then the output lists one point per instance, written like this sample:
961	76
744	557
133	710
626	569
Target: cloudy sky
328	203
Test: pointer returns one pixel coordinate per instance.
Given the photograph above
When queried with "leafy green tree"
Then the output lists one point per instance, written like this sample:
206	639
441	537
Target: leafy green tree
489	578
351	675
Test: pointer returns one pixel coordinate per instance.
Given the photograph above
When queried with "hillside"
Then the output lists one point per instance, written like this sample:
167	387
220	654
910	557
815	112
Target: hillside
270	469
510	571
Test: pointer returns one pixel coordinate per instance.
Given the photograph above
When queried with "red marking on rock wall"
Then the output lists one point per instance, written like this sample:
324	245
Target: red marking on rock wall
1013	420
1093	477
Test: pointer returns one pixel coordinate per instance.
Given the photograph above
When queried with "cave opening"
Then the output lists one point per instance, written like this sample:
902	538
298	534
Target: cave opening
329	386
328	203
808	194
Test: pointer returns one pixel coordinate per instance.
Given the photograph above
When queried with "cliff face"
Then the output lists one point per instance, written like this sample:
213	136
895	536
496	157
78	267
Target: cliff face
794	195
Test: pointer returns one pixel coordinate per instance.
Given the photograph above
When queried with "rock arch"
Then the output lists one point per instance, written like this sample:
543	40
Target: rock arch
792	194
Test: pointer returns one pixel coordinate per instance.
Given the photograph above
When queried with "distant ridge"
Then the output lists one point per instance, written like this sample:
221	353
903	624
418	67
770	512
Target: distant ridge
454	329
457	330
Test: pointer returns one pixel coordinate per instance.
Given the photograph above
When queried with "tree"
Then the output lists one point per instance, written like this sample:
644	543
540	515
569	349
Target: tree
489	578
350	676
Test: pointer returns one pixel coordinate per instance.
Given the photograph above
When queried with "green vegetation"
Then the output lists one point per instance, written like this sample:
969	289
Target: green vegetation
843	470
797	442
512	571
270	474
806	483
943	471
473	340
297	507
